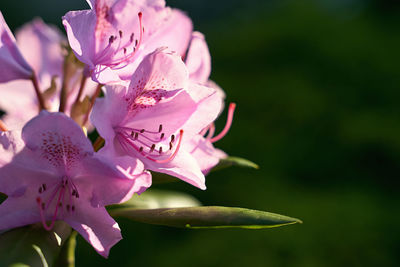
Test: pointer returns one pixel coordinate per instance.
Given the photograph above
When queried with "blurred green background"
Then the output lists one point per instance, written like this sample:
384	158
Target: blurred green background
317	89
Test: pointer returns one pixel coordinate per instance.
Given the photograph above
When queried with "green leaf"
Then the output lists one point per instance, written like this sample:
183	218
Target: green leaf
155	199
235	161
32	245
207	217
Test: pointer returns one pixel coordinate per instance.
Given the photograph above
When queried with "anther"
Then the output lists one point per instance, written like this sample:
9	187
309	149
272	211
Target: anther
160	128
124	50
142	131
162	136
73	208
131	38
172	138
160	150
171	145
120	34
111	39
152	147
141	149
44	187
40	190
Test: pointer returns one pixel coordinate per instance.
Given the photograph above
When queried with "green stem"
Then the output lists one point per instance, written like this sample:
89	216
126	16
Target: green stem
71	244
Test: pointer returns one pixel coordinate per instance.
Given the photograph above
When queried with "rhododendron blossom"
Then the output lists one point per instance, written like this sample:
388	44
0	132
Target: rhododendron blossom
135	70
119	33
153	115
57	176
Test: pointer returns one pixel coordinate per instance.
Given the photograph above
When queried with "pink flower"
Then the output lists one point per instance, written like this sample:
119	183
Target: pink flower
115	35
149	120
57	176
40	44
12	63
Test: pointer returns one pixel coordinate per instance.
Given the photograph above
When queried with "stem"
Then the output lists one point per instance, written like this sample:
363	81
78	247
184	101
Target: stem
98	143
3	127
81	88
92	100
71	245
37	91
64	89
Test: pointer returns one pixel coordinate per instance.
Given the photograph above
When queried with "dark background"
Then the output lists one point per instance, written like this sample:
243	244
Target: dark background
317	90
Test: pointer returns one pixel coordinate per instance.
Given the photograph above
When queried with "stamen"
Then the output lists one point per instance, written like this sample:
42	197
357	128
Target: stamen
173	154
228	124
211	131
3	127
43	207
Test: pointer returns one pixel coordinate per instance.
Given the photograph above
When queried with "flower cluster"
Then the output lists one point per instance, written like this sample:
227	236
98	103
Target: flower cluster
131	72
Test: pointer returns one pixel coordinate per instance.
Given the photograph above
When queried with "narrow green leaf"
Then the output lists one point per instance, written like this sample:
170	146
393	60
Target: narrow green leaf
206	217
235	161
32	245
155	199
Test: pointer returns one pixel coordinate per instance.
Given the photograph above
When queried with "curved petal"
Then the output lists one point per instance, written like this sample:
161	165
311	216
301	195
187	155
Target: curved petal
159	70
81	39
198	59
109	184
56	141
40	44
184	166
171	114
96	226
109	111
12	63
18	211
174	33
204	152
209	105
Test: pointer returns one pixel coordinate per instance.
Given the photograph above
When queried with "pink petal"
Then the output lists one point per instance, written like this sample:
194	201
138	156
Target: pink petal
40	44
12	63
81	38
184	166
110	184
204	152
159	70
209	105
174	33
96	226
109	111
198	59
17	212
57	141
